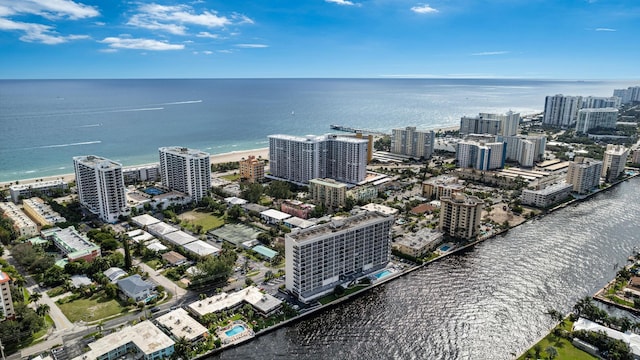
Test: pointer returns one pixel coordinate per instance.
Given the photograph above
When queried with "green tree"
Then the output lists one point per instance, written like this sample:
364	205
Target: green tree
234	212
338	290
35	297
42	309
128	262
551	351
252	192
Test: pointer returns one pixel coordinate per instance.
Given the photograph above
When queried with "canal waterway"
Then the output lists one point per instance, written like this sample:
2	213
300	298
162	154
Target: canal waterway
486	303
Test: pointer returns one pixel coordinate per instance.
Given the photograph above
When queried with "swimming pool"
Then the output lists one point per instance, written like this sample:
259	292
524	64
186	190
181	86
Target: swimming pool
153	191
382	274
445	248
235	330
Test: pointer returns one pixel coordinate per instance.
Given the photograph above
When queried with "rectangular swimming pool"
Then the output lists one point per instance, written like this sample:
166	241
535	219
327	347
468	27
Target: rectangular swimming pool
237	329
382	274
445	248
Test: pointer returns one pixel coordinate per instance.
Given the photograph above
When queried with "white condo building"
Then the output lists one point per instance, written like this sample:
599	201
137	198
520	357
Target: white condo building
524	149
480	155
101	187
494	124
628	95
186	170
460	215
412	142
615	158
584	174
599	102
561	110
299	159
324	256
596	118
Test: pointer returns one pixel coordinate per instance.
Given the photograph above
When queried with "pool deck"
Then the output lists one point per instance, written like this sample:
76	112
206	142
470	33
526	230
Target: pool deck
240	337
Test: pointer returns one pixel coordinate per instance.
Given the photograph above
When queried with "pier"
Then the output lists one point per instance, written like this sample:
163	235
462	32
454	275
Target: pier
354	130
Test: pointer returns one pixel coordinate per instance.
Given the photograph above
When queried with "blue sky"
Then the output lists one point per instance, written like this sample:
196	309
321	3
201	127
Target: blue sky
558	39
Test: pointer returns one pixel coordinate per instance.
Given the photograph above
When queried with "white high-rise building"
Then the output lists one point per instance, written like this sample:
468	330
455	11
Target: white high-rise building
6	304
319	258
596	118
493	124
186	170
628	95
615	158
561	110
300	159
518	148
599	102
412	142
100	185
480	155
584	174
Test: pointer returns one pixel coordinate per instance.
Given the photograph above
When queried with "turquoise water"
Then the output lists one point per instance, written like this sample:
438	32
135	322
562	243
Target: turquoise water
46	122
445	248
382	274
237	329
153	191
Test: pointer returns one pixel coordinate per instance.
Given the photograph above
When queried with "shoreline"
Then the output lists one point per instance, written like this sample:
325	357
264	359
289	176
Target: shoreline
215	159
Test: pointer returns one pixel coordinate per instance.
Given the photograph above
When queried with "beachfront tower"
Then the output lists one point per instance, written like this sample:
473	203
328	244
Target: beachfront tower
412	142
300	159
101	187
186	170
321	257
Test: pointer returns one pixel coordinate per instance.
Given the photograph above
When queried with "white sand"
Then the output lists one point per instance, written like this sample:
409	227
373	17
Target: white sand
215	159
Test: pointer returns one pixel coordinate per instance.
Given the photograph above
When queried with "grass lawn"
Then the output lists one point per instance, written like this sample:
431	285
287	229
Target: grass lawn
95	308
48	323
232	177
204	219
154	263
566	350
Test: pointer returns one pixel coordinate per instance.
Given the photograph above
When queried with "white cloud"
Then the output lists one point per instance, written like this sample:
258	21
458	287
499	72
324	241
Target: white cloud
37	32
341	2
225	51
176	19
50	9
606	29
140	44
207	52
490	53
252	46
108	50
423	9
206	34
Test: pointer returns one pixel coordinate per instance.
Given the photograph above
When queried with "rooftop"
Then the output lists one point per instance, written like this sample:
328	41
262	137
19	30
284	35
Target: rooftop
264	303
144	220
338	224
144	335
201	248
180	324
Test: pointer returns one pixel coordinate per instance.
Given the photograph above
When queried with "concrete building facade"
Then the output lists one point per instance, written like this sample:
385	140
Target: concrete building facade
252	169
100	185
596	118
584	174
22	224
186	170
328	192
561	111
322	257
613	163
480	155
28	190
7	301
300	159
460	215
412	142
548	196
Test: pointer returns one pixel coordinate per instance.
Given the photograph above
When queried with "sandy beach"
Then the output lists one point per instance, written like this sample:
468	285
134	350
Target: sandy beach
215	159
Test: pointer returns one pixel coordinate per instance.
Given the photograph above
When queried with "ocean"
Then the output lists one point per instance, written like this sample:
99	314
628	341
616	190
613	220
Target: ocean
44	123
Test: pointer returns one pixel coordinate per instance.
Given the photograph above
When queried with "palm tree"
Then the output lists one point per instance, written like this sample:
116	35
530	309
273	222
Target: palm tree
182	347
551	351
35	297
43	309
